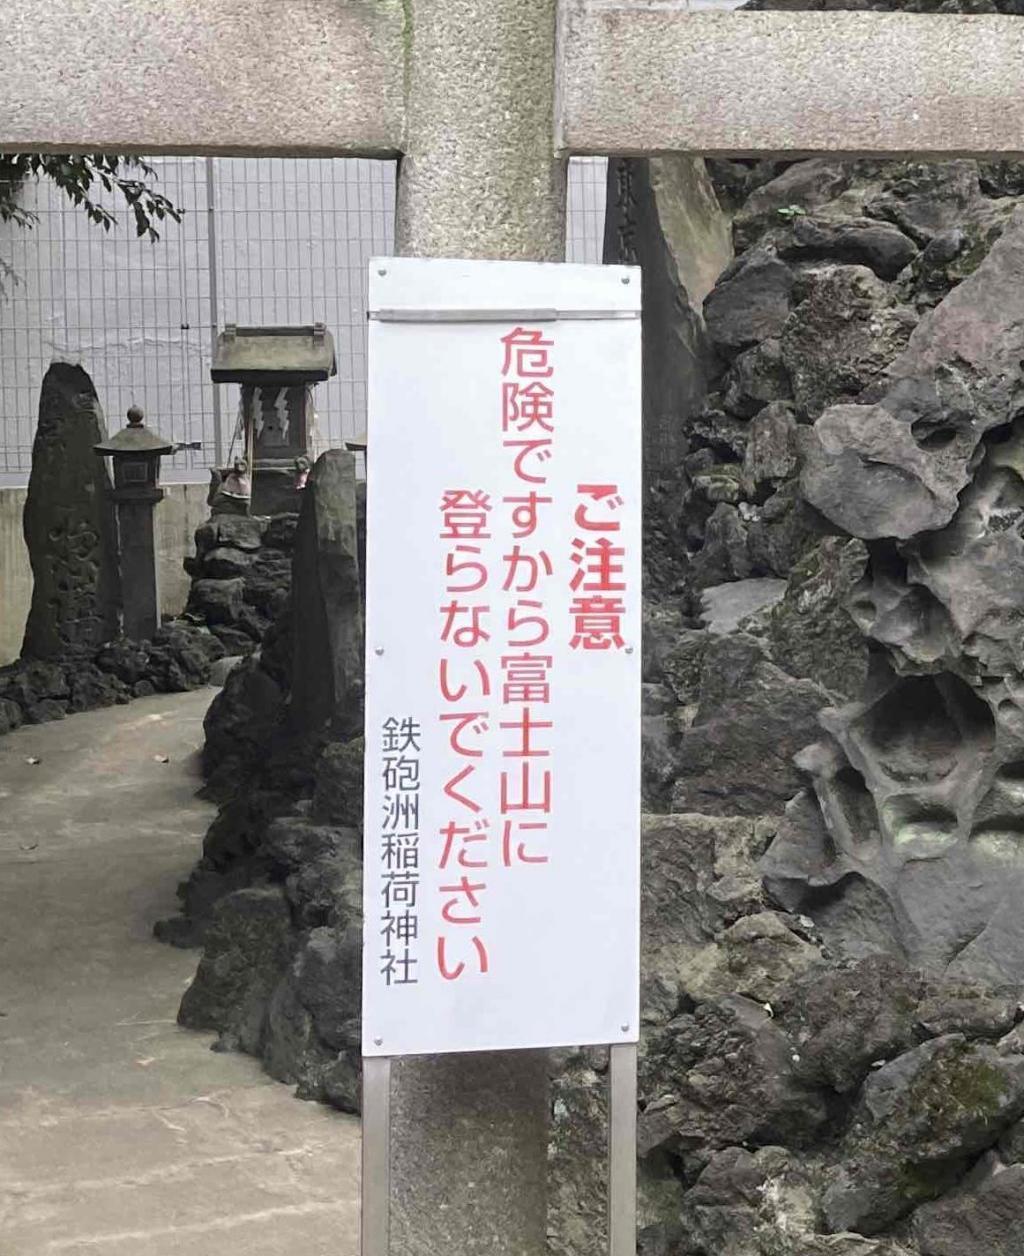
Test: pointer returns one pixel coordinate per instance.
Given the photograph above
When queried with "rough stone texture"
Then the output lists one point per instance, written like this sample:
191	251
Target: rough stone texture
725	606
699	875
884	917
315	79
275	898
810	631
654	214
830	360
752	718
920	1120
896	468
750	303
246	950
241	576
69	523
179	657
742	83
983	1221
690	1100
328	661
487	74
183	508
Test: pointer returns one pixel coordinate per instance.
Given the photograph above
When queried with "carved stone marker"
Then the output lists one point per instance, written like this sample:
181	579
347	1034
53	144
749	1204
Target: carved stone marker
69	522
328	660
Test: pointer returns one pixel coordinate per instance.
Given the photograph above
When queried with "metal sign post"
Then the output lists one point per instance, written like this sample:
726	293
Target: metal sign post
622	1150
376	1158
502	777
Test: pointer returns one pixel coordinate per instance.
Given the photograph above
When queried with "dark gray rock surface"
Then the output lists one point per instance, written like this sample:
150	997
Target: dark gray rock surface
69	524
985	1221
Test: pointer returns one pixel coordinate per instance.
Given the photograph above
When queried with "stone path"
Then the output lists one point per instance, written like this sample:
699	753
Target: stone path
120	1133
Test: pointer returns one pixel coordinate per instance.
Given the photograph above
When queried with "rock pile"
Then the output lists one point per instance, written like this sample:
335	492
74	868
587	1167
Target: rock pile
241	576
275	900
178	658
833	960
833	1053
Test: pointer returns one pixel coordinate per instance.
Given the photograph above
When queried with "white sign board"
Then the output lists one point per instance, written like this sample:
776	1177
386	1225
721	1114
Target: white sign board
503	657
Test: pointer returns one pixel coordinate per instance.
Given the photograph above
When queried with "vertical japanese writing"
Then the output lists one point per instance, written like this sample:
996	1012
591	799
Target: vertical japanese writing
463	845
528	430
598	579
400	849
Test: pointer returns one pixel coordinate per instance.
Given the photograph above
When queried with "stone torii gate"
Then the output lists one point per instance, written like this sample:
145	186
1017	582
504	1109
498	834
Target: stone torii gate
483	101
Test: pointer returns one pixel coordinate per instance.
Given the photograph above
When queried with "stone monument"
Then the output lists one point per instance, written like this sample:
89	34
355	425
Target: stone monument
327	668
69	521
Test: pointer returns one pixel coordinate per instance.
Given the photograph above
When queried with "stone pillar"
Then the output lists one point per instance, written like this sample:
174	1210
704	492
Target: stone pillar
479	180
327	660
664	217
479	177
139	581
69	521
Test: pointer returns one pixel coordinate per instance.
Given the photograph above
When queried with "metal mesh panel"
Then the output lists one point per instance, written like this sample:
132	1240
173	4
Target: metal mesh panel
584	229
131	312
293	240
263	241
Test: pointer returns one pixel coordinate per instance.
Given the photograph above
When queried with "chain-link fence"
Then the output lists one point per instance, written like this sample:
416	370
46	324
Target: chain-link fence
262	241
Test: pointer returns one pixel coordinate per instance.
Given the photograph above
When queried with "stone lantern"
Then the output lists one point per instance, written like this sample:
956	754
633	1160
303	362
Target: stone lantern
135	452
277	368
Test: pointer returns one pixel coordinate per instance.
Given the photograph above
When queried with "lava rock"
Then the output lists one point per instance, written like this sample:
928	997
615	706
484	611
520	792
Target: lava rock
859	242
974	1014
125	659
920	1120
725	606
91	688
241	717
737	756
10	716
31	681
339	784
180	657
240	532
724	555
217	601
897	467
699	874
682	662
985	1221
721	1076
758	376
772	451
328	974
247	949
844	331
844	1021
810	632
225	563
750	303
45	710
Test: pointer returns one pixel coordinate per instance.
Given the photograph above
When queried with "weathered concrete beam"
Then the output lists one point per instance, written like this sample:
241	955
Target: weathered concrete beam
649	76
229	76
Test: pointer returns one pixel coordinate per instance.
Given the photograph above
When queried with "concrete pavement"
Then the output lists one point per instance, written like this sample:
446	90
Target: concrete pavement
121	1133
